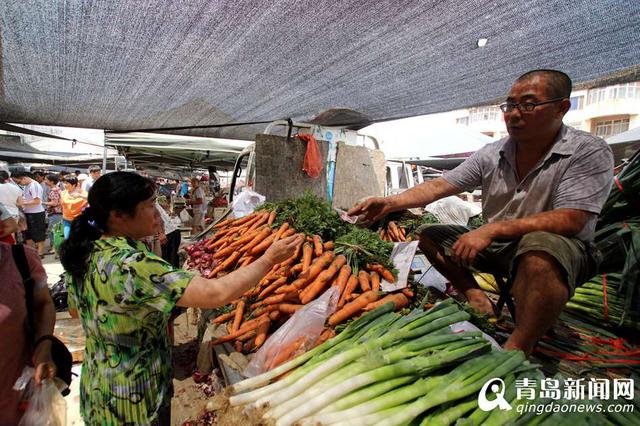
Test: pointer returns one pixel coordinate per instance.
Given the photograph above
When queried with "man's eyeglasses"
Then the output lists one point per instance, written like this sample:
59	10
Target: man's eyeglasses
526	106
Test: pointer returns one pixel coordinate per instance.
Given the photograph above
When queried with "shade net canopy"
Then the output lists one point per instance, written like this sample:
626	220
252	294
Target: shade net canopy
131	64
150	150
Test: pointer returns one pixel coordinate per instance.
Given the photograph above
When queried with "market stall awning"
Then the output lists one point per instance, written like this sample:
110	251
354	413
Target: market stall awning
130	65
12	150
175	151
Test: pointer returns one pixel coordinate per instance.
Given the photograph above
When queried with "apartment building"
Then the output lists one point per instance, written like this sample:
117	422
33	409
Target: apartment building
602	111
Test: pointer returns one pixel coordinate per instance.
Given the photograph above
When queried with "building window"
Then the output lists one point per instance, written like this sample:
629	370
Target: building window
607	128
619	91
463	121
577	102
490	113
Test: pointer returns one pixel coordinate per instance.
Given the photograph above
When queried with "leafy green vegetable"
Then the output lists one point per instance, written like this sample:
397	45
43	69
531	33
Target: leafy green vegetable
475	222
412	224
362	246
309	214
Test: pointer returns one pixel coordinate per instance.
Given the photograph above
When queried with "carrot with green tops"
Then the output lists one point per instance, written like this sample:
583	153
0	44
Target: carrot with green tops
353	308
329	245
375	281
353	296
399	301
238	317
262	220
315	288
363	280
352	282
272	218
307	255
317	245
296	269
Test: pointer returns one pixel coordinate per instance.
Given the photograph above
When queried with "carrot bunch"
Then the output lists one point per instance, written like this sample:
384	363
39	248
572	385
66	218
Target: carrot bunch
393	233
308	273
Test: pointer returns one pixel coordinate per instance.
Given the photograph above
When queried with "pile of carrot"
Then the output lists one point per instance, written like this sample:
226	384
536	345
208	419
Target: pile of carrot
393	233
307	274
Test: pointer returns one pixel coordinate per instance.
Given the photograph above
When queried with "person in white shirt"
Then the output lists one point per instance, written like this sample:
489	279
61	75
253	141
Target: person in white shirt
169	237
9	194
94	174
199	203
31	203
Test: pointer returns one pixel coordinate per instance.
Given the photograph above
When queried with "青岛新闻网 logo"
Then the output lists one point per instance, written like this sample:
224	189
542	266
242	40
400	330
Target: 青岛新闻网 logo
497	387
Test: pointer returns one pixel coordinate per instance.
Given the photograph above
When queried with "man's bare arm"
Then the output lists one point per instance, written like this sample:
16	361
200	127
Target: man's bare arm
566	222
423	194
376	208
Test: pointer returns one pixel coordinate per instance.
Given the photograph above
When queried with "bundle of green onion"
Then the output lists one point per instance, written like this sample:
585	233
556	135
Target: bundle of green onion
385	369
624	198
607	298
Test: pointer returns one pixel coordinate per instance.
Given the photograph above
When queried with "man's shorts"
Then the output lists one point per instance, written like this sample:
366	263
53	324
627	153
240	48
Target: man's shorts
579	260
36	227
198	219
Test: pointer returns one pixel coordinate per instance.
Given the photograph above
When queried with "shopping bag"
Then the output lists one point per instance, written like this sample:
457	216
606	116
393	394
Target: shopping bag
47	407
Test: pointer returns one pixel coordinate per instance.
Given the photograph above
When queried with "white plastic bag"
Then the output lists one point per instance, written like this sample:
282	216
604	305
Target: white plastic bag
246	202
185	217
47	407
453	211
304	327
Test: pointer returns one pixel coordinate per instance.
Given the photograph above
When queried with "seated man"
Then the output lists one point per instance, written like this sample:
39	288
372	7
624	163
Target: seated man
542	189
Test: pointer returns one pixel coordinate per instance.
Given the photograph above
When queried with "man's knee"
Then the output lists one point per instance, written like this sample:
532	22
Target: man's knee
541	270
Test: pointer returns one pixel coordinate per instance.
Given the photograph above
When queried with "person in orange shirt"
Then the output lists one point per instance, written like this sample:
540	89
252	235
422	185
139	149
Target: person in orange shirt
73	199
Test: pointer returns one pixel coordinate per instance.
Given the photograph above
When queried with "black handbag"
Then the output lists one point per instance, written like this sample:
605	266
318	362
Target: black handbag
59	353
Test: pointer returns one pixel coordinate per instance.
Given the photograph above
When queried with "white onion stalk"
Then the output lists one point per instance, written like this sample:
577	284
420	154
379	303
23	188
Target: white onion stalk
420	365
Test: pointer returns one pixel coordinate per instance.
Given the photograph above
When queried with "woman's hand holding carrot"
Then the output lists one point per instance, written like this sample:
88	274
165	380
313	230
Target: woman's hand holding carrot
283	249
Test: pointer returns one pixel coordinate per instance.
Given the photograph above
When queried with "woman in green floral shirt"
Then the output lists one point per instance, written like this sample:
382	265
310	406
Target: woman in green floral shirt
124	296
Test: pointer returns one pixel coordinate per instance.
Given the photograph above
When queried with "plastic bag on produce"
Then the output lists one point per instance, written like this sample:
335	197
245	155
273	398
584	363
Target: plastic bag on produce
299	334
47	407
453	211
246	202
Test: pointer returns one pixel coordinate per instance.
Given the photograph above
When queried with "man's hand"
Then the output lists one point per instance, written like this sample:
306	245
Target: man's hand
45	368
465	250
162	238
283	249
373	209
20	202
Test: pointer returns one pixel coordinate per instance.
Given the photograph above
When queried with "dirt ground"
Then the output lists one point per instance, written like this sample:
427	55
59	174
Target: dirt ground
189	399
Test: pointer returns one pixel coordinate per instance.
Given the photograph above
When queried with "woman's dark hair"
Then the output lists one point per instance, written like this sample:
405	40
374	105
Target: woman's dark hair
51	177
71	180
117	191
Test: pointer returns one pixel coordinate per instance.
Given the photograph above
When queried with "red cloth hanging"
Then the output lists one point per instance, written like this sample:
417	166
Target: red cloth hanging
312	158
